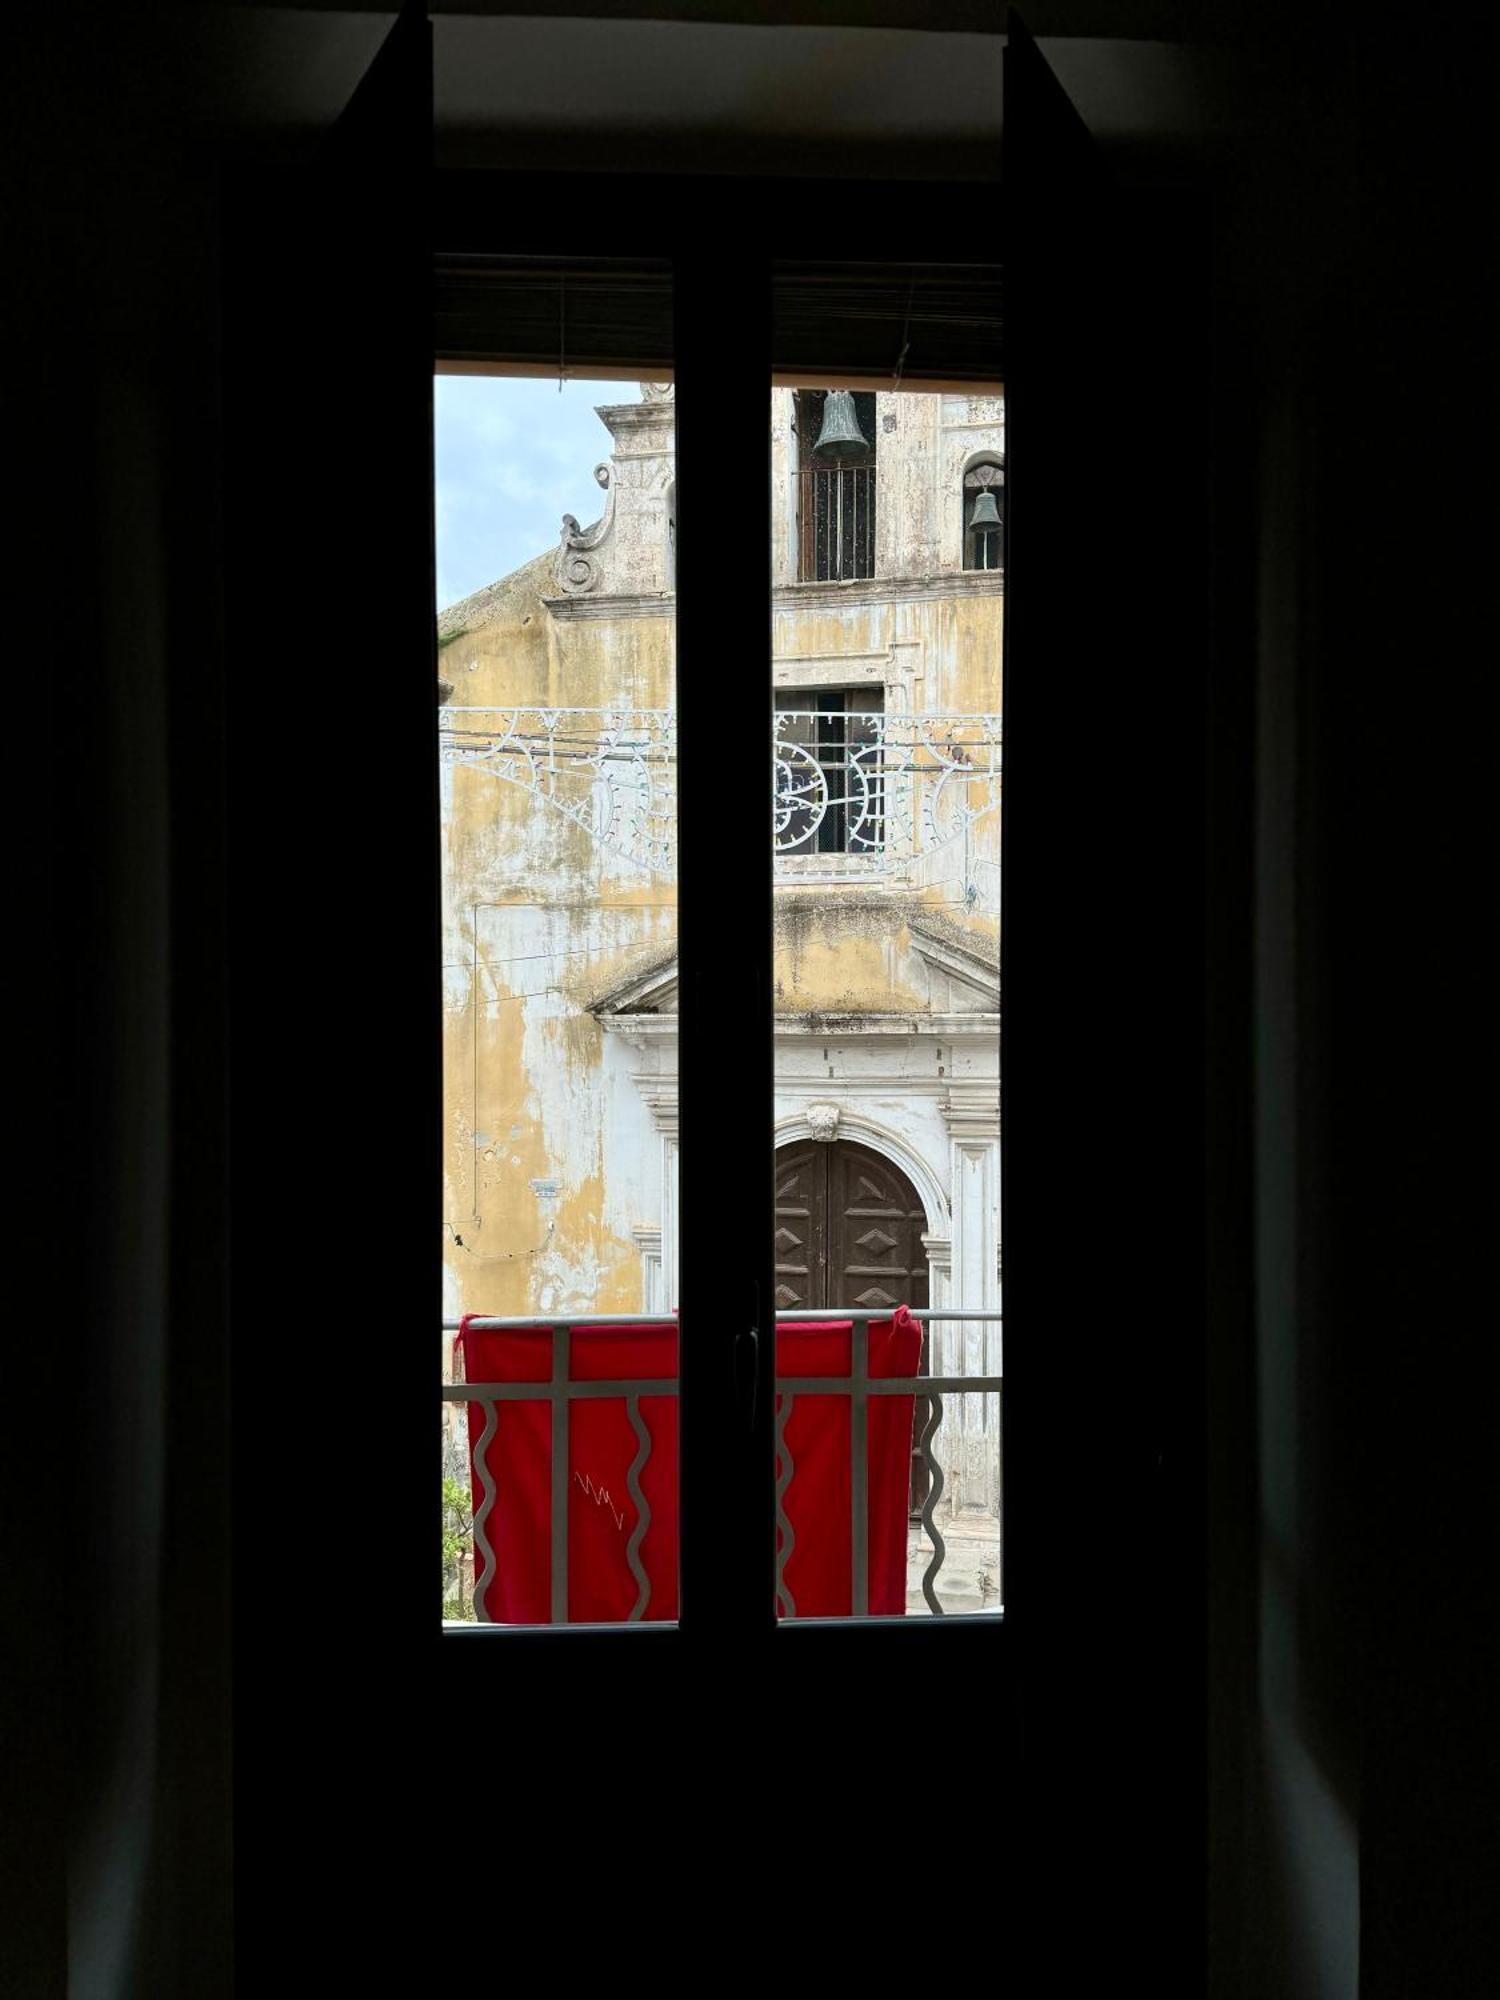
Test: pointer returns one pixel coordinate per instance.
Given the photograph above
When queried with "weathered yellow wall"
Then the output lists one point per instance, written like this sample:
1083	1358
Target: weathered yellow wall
540	922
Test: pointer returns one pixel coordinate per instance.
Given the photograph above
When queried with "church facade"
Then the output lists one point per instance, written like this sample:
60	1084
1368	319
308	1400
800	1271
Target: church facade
875	760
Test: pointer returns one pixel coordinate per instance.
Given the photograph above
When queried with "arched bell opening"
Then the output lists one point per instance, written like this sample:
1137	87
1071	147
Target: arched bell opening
984	513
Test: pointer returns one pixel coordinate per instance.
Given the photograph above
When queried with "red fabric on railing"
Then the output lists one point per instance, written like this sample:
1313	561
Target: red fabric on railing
818	1572
603	1446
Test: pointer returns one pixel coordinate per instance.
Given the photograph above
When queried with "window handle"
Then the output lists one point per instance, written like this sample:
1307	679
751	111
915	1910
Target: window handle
747	1372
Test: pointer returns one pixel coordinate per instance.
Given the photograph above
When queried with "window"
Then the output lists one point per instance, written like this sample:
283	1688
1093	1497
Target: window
835	484
829	793
595	788
984	513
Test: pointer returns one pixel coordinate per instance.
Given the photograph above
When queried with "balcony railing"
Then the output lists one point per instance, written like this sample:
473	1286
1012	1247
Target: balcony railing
559	1392
902	786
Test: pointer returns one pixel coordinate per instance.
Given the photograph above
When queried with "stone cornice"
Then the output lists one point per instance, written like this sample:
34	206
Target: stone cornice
793	596
890	589
879	1028
659	1094
972	1110
619	418
888	1027
614	604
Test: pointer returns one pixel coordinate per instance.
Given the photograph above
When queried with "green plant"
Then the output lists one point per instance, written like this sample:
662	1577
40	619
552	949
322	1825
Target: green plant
458	1540
447	638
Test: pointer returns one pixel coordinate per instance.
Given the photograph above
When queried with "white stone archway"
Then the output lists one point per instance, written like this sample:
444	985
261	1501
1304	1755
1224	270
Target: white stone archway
922	1091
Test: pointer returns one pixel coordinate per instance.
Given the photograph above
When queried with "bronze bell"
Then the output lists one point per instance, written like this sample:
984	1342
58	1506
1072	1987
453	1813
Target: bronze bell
841	436
986	514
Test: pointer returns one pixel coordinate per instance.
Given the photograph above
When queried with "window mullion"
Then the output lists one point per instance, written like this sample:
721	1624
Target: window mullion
726	1221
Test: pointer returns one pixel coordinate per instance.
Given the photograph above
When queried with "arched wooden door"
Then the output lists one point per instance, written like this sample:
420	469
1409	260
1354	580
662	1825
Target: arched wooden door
849	1230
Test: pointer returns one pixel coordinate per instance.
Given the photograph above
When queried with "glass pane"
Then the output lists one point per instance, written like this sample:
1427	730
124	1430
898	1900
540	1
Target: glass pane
886	707
556	517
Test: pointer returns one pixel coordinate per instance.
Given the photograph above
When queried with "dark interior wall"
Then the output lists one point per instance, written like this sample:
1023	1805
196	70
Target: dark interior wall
1296	213
1351	1506
1411	1033
1352	264
115	367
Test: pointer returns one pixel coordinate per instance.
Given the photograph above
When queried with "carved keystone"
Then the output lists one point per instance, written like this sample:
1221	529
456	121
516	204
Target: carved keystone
823	1122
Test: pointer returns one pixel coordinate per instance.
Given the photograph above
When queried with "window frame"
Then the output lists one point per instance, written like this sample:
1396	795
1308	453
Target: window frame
723	368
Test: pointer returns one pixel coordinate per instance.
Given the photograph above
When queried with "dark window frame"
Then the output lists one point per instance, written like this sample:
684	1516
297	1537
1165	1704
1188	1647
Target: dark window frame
724	366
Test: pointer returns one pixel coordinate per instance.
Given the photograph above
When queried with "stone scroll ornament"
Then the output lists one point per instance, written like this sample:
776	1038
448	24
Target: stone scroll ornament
577	566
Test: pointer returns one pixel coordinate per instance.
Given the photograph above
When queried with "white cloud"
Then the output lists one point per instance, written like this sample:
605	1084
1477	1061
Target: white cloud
512	456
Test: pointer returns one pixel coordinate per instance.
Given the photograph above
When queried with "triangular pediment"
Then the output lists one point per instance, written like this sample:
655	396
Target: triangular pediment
965	980
653	991
974	974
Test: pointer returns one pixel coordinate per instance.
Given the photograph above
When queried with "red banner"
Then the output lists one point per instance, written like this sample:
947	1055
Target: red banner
603	1445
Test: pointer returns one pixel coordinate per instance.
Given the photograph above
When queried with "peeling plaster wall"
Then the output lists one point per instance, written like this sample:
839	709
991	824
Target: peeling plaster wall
557	1145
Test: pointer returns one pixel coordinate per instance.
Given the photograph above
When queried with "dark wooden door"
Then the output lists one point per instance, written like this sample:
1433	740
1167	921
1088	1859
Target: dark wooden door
849	1233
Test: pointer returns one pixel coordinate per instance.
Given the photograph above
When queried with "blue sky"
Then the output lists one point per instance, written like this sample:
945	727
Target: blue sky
513	456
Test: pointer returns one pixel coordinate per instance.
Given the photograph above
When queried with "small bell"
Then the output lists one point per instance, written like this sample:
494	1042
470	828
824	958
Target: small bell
841	436
986	514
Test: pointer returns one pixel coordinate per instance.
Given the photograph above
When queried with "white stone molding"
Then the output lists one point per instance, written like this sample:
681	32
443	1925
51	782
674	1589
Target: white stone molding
981	975
671	1185
882	669
859	592
613	605
939	1252
648	1242
823	1122
971	1425
659	1094
972	1109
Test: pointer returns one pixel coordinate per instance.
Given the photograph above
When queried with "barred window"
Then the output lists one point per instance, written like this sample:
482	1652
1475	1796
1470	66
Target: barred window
829	773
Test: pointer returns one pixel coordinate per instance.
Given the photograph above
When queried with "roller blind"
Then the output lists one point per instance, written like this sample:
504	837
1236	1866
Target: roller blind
582	317
892	324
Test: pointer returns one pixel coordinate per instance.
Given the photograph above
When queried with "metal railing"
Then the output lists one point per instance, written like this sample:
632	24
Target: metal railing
858	1385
